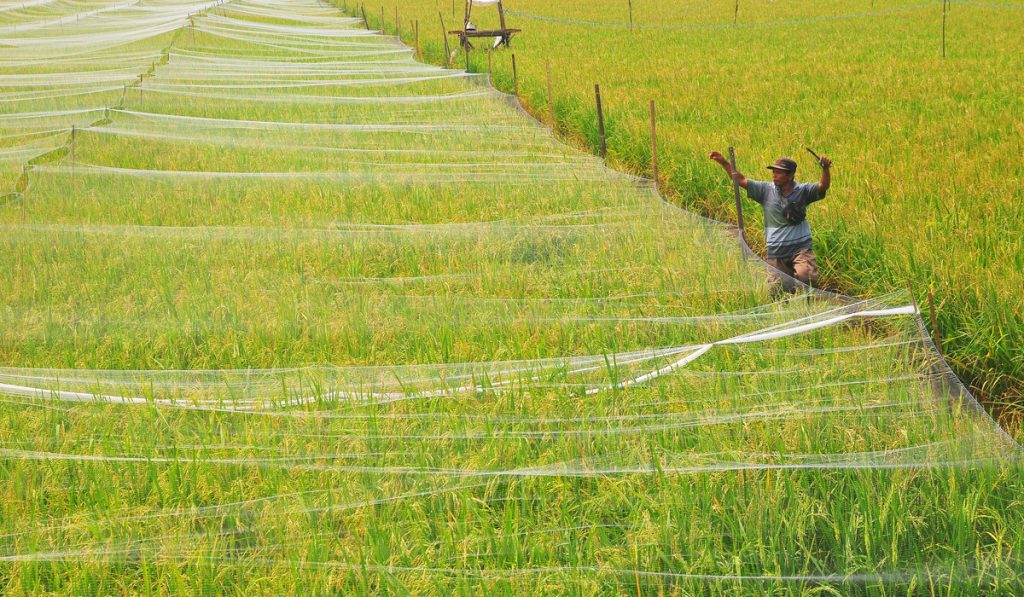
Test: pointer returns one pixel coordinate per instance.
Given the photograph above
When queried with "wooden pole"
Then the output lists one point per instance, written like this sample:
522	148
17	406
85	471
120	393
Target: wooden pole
490	66
398	24
936	335
365	20
501	20
600	122
74	184
444	36
654	146
736	13
630	15
944	4
515	76
382	19
736	194
551	105
466	49
416	36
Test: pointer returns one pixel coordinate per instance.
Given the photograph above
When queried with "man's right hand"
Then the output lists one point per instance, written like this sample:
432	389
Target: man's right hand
718	157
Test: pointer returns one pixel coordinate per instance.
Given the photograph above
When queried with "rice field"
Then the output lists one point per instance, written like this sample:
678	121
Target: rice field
287	310
927	148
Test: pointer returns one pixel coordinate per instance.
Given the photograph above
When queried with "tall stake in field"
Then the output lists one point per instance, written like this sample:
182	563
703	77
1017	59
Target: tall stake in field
630	15
515	76
444	36
736	194
416	36
600	122
936	335
654	146
736	13
366	21
945	4
73	156
551	105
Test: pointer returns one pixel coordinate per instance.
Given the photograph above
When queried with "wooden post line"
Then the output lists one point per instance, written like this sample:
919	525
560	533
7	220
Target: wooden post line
444	36
945	4
600	122
74	162
736	194
551	105
936	335
654	146
515	75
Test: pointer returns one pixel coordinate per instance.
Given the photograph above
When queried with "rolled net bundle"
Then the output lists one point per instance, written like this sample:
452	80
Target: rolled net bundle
296	307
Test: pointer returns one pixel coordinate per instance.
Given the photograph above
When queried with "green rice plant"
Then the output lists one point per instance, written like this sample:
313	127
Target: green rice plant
297	313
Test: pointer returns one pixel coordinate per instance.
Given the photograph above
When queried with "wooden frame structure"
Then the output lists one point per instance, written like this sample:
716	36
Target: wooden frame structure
504	33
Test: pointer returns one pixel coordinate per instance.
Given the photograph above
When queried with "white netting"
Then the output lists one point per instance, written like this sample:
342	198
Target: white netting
281	302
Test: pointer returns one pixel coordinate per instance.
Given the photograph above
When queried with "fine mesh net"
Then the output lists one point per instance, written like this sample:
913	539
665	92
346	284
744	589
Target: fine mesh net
280	301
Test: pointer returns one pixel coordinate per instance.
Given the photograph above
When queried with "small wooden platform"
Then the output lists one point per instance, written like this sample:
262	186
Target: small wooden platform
504	34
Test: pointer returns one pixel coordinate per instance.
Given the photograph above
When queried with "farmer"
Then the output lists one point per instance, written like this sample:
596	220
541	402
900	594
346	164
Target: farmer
784	202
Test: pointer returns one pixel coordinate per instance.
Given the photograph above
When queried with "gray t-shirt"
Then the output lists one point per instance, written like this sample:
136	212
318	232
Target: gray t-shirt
782	238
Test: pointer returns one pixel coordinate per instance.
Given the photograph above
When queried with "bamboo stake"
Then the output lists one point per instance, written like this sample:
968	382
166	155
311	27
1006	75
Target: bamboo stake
936	334
398	24
944	11
416	37
600	122
551	105
74	160
736	13
382	19
736	194
630	15
654	146
444	35
365	20
515	76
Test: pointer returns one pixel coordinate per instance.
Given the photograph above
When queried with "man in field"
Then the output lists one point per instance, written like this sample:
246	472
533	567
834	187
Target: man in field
784	202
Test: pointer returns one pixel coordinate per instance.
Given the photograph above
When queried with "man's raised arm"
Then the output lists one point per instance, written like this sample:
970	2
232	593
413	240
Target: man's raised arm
826	175
724	163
